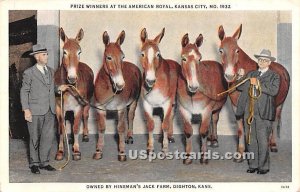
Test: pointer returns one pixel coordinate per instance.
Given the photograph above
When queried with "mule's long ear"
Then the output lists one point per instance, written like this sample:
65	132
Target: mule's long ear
105	38
221	32
63	36
185	40
238	33
79	35
159	36
144	35
121	38
199	40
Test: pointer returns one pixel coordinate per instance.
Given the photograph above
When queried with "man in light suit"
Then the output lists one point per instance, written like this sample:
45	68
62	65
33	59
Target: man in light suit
264	111
38	104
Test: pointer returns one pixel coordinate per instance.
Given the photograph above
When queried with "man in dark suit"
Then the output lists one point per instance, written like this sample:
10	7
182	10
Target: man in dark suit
264	111
38	104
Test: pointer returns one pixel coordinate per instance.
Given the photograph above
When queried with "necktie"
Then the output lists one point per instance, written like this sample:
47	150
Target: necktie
45	70
259	73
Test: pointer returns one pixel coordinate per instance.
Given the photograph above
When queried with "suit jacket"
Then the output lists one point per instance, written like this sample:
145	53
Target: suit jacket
270	82
36	94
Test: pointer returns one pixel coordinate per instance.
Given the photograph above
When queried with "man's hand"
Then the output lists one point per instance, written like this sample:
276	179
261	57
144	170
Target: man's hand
62	88
240	73
27	115
253	81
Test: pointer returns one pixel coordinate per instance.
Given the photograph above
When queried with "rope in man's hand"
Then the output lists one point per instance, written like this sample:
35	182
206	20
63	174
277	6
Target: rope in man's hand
254	93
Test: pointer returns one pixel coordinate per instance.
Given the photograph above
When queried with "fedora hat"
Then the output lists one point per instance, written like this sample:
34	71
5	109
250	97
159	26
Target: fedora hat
38	48
266	54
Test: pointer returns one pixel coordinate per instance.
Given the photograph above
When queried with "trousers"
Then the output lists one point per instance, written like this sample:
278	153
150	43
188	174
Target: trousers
259	141
41	134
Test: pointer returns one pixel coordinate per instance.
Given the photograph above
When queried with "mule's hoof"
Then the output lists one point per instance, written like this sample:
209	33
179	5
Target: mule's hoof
129	140
122	158
171	139
150	151
59	156
274	150
238	160
76	156
214	144
187	161
97	155
208	143
85	138
204	161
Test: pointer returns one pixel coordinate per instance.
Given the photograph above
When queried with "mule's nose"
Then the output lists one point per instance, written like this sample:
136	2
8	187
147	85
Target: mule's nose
150	83
72	80
120	86
229	77
192	89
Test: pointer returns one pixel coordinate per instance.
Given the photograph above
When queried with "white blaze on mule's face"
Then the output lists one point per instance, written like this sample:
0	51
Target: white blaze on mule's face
194	79
72	72
150	73
118	80
229	71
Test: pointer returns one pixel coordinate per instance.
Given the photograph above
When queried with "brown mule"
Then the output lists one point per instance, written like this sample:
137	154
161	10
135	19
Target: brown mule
159	87
80	75
198	86
117	88
233	59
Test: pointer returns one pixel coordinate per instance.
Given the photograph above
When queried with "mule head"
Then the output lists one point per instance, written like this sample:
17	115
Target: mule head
113	60
71	55
150	56
229	51
190	58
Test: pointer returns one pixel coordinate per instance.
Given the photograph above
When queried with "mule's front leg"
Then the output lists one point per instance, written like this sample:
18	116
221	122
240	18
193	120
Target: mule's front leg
101	121
241	138
167	124
170	130
122	125
85	135
77	114
61	131
275	125
150	125
213	138
188	132
131	114
203	130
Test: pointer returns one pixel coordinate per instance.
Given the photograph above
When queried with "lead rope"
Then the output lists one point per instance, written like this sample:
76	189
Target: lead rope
253	98
65	132
85	102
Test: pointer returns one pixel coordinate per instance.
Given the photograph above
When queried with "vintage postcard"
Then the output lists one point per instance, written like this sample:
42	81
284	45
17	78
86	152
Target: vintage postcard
150	95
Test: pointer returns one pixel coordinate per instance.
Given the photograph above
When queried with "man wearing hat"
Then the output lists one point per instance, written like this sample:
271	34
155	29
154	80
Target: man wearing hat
268	82
38	104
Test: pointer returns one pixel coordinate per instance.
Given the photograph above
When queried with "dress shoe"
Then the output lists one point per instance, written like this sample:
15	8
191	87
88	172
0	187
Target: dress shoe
252	170
48	168
261	171
35	169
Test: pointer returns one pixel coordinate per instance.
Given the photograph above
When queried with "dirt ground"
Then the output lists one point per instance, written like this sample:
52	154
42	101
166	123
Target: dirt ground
109	169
